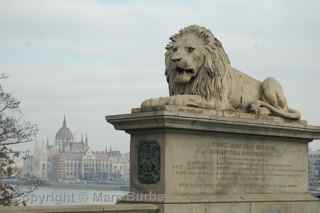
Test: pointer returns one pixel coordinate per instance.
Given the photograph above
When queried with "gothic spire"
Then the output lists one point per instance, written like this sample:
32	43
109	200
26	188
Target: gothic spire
86	139
64	121
81	138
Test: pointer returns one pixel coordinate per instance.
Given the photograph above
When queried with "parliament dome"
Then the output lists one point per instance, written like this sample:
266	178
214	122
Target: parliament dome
64	132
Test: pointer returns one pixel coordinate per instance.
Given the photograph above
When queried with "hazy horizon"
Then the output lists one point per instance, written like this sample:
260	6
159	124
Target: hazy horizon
89	59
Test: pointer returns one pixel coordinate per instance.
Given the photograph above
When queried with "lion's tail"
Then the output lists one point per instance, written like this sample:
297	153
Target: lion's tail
290	114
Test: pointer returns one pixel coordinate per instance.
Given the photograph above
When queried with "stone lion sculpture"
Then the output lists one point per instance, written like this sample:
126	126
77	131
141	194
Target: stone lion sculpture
199	74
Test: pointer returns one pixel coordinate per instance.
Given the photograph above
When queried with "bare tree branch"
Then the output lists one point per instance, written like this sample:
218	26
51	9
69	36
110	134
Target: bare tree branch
13	130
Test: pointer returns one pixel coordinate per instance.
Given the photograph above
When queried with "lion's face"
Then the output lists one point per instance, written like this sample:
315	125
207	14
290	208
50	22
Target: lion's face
196	63
186	58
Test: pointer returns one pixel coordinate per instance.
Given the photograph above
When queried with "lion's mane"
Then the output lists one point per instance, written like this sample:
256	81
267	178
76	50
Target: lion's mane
209	81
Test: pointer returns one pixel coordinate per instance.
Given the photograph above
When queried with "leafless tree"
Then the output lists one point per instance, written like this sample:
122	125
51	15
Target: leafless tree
13	130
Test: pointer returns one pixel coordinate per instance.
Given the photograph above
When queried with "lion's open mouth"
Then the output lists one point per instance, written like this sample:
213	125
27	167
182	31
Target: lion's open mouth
180	70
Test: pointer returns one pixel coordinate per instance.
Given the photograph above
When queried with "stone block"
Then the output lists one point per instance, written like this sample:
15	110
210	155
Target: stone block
197	161
200	155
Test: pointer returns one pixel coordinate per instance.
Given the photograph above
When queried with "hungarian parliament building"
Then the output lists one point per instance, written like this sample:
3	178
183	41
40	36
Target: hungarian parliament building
68	160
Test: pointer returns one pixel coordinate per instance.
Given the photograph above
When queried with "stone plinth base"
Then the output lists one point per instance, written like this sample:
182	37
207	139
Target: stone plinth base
190	158
254	207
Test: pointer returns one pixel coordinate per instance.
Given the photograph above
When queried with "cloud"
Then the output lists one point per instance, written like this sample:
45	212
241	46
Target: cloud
92	58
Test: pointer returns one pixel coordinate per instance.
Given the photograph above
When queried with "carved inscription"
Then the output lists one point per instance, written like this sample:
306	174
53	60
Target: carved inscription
240	167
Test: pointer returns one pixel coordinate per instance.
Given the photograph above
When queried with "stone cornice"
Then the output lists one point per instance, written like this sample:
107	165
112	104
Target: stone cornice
213	121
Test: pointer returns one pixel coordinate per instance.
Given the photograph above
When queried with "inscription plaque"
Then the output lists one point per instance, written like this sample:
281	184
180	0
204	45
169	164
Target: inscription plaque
148	162
240	167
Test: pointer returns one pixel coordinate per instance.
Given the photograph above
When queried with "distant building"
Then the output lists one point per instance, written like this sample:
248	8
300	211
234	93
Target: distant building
65	143
104	166
40	160
66	154
36	164
72	161
89	166
27	167
314	169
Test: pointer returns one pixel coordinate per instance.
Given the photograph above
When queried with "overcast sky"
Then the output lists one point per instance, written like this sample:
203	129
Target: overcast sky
88	59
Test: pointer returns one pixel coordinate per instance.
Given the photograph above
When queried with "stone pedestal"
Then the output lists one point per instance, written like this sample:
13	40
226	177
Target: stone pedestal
194	160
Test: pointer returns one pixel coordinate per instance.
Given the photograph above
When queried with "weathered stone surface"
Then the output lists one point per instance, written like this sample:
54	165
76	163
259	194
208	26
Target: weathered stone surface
172	117
245	207
204	208
199	74
286	207
121	208
222	207
221	142
227	164
214	156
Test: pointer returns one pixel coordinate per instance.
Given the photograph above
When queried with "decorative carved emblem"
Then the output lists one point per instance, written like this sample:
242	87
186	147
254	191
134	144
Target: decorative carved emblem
148	162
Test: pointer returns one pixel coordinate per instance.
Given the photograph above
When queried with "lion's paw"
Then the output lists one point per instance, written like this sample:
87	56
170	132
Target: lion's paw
147	103
155	102
258	109
264	111
179	100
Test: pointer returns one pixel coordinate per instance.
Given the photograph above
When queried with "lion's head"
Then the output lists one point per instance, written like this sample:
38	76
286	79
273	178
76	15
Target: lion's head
196	63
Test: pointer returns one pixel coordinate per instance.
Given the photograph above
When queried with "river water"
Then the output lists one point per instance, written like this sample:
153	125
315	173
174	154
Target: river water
63	196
